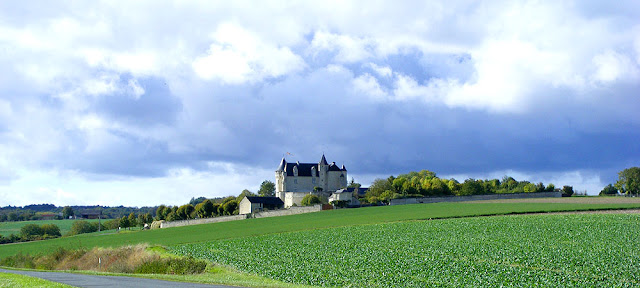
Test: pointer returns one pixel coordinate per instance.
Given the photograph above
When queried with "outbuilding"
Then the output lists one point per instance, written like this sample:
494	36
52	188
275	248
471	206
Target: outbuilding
250	205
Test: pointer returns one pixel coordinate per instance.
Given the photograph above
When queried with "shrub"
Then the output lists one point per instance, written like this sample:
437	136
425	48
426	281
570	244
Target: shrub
31	231
186	265
310	199
81	227
51	230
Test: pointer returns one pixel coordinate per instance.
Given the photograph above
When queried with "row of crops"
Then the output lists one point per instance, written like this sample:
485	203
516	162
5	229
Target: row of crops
525	251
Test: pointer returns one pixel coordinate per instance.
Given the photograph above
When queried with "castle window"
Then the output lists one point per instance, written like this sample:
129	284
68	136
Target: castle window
313	180
295	181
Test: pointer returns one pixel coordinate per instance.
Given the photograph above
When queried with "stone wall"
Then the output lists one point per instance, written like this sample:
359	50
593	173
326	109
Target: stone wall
473	198
202	221
289	211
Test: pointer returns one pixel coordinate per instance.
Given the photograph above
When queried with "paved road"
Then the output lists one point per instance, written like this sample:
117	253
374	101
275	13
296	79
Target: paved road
82	280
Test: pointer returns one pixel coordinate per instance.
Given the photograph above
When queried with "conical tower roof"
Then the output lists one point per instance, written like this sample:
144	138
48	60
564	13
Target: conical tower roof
283	163
323	161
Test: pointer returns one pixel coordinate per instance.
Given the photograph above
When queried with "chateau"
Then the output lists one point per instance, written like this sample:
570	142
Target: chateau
295	180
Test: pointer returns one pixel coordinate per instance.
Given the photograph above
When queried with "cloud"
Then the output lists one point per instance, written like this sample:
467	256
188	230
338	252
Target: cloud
455	87
237	56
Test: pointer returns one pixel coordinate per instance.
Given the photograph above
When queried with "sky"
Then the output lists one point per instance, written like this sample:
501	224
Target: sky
141	103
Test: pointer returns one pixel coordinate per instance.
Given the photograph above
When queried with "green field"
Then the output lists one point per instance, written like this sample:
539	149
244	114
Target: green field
310	221
8	228
542	250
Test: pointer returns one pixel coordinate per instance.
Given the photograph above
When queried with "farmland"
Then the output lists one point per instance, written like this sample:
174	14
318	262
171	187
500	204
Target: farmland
7	228
319	220
525	250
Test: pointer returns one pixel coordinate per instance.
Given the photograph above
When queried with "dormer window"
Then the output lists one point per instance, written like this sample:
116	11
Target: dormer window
295	171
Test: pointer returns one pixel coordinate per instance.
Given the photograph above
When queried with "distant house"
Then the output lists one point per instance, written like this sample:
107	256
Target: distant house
350	195
90	214
256	204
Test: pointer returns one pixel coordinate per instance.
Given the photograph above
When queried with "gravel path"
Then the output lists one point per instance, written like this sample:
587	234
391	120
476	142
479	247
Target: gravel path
82	280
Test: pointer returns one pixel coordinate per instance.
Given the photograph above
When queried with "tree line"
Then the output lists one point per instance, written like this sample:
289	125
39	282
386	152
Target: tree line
628	183
425	183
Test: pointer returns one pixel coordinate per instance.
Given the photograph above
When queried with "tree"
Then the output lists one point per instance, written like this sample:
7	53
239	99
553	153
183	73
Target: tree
67	212
267	188
629	181
243	194
31	231
310	199
196	201
609	190
148	218
124	222
230	207
471	187
161	212
133	221
51	230
204	209
353	184
81	227
550	187
567	191
142	219
184	212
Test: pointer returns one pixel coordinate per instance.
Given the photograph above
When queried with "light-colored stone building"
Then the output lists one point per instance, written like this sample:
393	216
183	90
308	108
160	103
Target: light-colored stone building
295	180
250	204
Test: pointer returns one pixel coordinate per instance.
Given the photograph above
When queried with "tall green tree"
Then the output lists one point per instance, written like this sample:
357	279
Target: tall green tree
629	181
230	207
67	212
133	221
267	188
243	194
567	191
609	190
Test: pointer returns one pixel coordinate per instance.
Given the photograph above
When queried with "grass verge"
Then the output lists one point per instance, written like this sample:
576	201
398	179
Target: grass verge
15	280
218	275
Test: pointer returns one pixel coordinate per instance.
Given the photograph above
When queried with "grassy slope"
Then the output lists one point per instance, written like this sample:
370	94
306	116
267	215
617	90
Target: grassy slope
7	228
324	219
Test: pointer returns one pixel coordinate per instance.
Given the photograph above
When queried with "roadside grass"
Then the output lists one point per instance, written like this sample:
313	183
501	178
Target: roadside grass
215	274
309	221
16	280
8	228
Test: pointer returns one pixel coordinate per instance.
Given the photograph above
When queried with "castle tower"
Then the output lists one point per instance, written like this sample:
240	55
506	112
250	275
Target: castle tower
323	166
280	179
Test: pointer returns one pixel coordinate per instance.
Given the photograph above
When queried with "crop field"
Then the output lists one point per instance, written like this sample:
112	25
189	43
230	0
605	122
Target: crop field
588	250
7	228
310	221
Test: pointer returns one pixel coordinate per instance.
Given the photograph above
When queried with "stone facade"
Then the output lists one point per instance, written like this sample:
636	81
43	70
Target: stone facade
257	204
295	180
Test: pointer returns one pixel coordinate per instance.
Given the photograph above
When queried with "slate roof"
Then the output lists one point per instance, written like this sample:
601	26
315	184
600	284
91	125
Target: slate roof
304	169
265	200
282	164
323	161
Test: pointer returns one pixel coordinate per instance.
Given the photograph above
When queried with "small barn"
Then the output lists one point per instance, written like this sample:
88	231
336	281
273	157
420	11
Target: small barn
250	205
